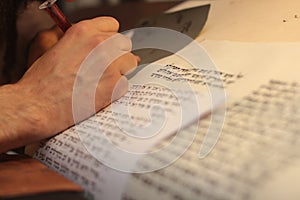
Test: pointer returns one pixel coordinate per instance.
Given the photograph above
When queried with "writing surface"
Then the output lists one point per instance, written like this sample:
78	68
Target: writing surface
259	139
251	137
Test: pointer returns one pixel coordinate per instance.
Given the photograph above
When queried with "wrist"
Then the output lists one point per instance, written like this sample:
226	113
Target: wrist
21	120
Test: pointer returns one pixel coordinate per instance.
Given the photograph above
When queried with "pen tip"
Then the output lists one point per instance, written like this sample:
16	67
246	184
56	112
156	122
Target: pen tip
47	4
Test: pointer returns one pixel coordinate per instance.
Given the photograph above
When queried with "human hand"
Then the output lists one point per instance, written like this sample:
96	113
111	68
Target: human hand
44	94
42	42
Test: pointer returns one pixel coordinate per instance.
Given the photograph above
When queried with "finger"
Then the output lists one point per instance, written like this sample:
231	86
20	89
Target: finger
107	93
110	48
99	24
57	31
138	59
108	24
114	41
122	42
126	63
120	89
42	42
50	34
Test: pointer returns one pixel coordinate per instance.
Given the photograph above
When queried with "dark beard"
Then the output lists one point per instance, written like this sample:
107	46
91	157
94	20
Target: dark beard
8	10
8	32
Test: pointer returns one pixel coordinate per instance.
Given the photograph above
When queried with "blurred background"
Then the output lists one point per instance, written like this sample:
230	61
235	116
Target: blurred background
70	7
127	12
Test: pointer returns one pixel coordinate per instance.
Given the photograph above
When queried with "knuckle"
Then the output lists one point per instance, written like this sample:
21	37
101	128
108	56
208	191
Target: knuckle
80	28
112	22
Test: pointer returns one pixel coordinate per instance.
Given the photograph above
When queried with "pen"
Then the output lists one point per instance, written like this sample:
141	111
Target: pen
56	14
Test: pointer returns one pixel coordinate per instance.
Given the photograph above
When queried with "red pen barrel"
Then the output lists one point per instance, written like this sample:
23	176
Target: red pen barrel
59	18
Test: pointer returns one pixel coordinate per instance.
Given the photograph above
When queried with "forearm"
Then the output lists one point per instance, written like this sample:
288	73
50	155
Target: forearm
20	119
40	104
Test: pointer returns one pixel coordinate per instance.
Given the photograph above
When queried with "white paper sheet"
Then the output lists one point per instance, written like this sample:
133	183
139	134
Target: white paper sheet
66	154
